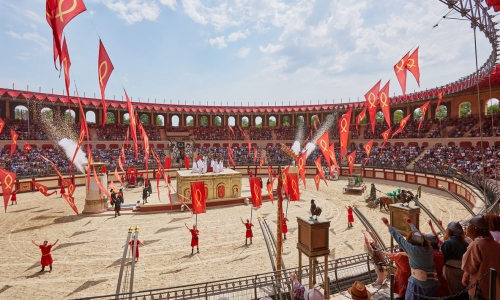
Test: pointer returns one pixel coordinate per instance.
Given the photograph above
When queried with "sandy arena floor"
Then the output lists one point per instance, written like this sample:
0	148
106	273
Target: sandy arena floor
87	257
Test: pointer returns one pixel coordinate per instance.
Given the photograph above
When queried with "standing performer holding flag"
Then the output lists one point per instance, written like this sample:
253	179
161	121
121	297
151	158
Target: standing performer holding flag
249	233
194	238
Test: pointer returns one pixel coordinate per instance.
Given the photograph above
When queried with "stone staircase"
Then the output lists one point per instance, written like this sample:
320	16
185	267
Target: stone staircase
412	164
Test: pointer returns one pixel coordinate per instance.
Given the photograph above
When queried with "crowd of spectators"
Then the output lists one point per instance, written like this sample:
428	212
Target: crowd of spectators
216	133
379	128
25	130
114	132
260	133
461	125
490	127
285	132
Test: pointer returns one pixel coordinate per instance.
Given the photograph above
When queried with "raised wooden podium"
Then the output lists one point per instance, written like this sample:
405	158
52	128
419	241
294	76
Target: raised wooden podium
314	242
397	212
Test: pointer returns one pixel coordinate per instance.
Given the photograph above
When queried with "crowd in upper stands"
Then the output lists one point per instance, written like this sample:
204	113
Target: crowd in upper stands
25	130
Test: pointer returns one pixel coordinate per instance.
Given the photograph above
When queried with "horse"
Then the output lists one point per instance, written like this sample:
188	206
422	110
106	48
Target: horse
384	202
406	197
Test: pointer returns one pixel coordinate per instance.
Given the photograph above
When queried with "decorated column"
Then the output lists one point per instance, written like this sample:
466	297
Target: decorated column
96	201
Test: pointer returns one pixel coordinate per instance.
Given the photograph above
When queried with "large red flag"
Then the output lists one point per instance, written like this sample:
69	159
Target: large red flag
260	164
255	153
117	176
333	158
400	70
256	191
58	14
293	187
27	147
368	147
146	149
13	143
301	164
104	69
323	143
361	116
423	110
351	158
269	187
402	125
43	189
317	162
386	134
232	131
412	65
71	187
132	122
2	125
385	104
198	197
440	98
8	184
284	178
71	202
65	65
344	122
317	180
79	144
168	162
372	102
100	185
269	172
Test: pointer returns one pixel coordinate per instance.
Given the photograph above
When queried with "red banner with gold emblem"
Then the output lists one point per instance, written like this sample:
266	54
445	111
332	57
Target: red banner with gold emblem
260	164
256	191
198	197
412	65
293	187
368	147
117	176
317	180
317	162
400	70
72	187
385	103
2	125
386	134
440	98
104	69
323	143
71	202
269	187
27	148
402	125
269	172
132	123
65	66
43	189
372	102
78	144
13	142
301	164
351	158
8	184
333	158
255	154
344	122
145	138
284	179
361	116
423	110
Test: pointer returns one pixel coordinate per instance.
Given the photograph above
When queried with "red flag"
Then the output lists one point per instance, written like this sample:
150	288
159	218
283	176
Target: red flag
284	178
412	65
117	176
158	177
71	202
256	192
65	65
333	158
270	190
260	164
385	104
186	162
2	125
269	171
255	155
122	157
323	143
344	122
249	146
126	136
351	158
55	168
104	69
100	185
402	125
43	189
372	102
332	171
360	118
121	165
198	197
440	98
78	144
13	143
368	147
386	135
230	153
133	124
400	70
301	164
27	147
423	109
232	131
146	148
170	197
71	187
8	184
317	180
168	162
293	187
317	162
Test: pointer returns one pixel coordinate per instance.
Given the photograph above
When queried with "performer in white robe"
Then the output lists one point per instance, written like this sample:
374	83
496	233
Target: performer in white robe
195	168
204	170
221	165
215	166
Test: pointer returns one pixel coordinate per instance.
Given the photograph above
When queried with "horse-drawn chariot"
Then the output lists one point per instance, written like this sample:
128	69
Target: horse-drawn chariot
355	183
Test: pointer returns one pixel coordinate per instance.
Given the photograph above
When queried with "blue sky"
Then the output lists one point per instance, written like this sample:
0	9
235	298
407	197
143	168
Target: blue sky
257	52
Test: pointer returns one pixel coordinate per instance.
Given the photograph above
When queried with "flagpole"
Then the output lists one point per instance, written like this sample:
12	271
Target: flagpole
196	220
251	214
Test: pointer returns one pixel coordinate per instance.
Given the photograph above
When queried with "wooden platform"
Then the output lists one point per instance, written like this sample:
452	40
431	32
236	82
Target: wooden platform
226	184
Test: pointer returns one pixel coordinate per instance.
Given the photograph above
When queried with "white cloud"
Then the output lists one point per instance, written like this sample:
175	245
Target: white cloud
233	37
34	16
170	3
218	42
243	52
190	8
134	10
31	36
269	49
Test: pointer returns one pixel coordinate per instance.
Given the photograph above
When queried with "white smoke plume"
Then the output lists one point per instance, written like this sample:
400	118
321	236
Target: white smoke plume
69	147
296	147
310	146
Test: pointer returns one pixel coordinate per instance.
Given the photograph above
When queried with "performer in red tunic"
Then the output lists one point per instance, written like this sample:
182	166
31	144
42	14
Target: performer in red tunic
402	273
350	217
249	233
62	191
131	243
46	259
284	227
194	238
13	197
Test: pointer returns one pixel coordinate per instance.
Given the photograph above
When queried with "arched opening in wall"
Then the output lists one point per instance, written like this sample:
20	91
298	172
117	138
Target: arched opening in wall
258	122
21	113
218	121
174	121
69	116
442	112
190	121
245	122
300	120
110	118
46	114
465	109
126	119
272	121
285	121
397	116
492	106
379	117
231	121
159	120
144	119
203	121
90	116
417	114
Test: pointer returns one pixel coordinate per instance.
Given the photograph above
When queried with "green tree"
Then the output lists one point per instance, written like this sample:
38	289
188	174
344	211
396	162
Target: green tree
217	121
465	109
244	122
379	117
190	122
21	114
69	117
442	112
144	119
300	120
398	115
126	120
47	114
417	114
159	121
492	110
286	121
110	118
203	121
